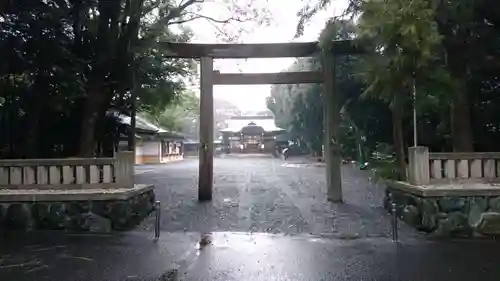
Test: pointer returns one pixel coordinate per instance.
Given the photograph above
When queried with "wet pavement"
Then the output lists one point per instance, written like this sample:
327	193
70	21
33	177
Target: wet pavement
239	256
232	237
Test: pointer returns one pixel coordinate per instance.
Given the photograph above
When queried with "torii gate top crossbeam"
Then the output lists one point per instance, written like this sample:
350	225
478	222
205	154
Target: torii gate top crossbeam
267	50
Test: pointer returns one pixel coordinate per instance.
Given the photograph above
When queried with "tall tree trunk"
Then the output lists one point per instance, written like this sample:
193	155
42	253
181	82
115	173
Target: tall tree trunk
456	60
397	133
113	45
30	143
461	129
36	105
107	37
92	109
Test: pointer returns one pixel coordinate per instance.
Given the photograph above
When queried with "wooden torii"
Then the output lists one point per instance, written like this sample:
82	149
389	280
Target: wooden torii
208	52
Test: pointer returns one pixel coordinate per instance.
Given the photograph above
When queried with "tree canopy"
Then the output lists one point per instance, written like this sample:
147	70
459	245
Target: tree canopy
448	50
67	63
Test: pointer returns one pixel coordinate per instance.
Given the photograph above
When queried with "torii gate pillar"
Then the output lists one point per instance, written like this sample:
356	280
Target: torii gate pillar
206	150
331	123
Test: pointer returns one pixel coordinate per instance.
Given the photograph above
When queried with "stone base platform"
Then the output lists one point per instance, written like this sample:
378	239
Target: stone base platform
84	210
462	209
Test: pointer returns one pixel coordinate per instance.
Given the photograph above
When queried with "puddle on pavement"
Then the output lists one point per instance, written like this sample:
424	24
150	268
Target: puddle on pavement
171	275
230	202
206	239
290	165
246	243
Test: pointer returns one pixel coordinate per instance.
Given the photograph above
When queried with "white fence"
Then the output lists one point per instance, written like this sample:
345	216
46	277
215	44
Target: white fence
70	173
425	167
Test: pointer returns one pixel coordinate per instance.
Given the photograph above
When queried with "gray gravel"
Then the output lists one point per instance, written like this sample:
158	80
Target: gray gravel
261	194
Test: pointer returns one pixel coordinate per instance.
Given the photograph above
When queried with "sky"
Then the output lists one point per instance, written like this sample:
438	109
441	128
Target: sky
280	30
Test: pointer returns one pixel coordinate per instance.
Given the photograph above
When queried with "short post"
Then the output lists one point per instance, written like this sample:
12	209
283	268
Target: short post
418	158
124	168
394	223
157	219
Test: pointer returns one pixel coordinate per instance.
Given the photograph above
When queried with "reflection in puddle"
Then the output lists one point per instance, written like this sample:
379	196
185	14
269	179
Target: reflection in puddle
205	240
242	243
291	165
171	275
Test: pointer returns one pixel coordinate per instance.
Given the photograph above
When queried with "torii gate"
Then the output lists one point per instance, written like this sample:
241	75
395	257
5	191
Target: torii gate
208	52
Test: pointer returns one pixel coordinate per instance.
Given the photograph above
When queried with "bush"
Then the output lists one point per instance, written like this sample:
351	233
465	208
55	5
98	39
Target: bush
388	171
383	162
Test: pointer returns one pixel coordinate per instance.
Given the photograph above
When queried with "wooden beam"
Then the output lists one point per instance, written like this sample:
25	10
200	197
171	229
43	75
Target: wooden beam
267	78
206	152
332	122
267	50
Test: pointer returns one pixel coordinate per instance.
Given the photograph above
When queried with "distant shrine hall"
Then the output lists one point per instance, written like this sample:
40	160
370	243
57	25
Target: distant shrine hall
252	134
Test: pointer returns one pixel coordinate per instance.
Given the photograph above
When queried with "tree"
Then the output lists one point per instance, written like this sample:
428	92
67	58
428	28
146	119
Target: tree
39	72
449	49
78	59
469	31
299	108
180	115
312	7
406	40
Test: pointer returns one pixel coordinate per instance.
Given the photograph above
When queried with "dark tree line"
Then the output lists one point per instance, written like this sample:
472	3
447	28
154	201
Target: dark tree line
67	63
448	50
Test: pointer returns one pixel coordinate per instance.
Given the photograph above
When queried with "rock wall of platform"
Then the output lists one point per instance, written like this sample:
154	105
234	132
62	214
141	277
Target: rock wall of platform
447	216
78	216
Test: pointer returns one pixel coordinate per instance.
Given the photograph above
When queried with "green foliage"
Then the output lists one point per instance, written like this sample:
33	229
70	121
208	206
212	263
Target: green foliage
299	108
58	57
383	163
448	47
75	60
181	115
312	7
388	171
406	43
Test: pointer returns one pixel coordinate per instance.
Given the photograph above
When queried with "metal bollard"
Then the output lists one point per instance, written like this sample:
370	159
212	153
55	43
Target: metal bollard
157	219
394	223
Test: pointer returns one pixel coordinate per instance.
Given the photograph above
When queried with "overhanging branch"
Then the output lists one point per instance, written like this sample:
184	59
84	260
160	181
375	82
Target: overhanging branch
194	16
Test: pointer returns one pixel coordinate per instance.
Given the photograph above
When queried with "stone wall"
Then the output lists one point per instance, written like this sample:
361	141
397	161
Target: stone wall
79	216
446	216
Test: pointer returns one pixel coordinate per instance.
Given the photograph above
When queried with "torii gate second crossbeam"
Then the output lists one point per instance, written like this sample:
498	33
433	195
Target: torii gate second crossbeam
208	52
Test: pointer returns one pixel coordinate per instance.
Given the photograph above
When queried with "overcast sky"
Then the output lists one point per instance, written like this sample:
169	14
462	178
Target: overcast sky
281	29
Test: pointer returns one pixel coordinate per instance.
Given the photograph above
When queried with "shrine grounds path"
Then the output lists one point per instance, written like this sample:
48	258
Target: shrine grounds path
258	193
269	220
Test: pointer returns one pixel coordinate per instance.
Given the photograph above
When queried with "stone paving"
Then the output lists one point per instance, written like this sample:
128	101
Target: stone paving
263	194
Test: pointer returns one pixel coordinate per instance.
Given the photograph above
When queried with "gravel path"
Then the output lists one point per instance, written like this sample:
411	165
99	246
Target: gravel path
262	194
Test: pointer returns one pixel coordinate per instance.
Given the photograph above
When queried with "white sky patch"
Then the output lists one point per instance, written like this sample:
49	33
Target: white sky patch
281	29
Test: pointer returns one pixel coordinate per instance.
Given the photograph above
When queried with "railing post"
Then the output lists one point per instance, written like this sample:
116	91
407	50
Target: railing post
418	170
157	219
124	168
394	222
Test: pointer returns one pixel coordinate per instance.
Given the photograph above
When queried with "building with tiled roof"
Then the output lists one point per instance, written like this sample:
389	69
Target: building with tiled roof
251	134
153	144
